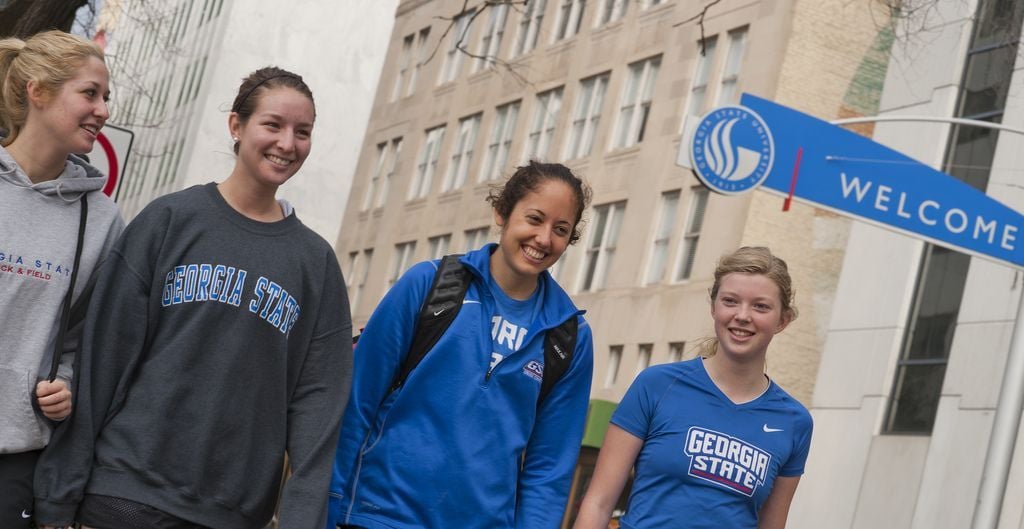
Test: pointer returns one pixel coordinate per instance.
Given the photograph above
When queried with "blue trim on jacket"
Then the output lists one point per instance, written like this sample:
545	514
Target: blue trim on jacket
452	447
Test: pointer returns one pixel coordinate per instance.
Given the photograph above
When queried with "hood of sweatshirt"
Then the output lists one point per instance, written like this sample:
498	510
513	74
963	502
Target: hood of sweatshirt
77	179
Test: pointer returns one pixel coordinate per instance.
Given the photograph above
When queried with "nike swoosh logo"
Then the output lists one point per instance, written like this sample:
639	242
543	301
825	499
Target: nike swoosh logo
438	313
770	430
25	514
468	301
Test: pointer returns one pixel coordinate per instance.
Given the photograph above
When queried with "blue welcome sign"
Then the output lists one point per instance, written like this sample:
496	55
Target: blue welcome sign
759	143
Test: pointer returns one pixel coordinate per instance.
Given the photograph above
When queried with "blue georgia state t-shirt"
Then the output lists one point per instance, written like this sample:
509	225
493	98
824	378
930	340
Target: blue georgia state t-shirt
511	321
707	462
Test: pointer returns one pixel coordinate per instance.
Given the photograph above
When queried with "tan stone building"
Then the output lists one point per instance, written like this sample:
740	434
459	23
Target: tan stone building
604	86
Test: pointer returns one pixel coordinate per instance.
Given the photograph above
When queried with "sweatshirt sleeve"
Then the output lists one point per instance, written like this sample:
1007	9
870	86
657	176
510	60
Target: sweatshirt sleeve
382	347
555	443
113	339
316	405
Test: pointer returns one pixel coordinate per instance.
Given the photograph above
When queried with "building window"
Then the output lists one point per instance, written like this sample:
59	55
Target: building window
675	351
357	276
932	324
385	183
542	126
456	49
462	156
423	52
475	238
601	248
922	366
529	27
611	10
587	116
570	13
371	187
614	361
402	260
652	3
699	89
662	235
643	357
439	246
427	164
403	67
500	142
691	235
731	70
636	102
350	268
490	41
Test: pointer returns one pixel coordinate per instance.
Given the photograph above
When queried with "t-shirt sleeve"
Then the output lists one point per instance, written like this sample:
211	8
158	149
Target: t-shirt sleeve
794	466
636	409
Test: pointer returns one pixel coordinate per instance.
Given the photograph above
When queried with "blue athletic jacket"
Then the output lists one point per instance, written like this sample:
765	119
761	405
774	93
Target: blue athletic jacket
453	447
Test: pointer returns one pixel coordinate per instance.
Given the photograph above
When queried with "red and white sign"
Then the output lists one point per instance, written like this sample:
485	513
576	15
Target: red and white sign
109	155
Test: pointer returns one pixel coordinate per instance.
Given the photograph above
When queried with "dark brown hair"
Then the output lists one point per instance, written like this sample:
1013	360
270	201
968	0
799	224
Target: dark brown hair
258	83
527	178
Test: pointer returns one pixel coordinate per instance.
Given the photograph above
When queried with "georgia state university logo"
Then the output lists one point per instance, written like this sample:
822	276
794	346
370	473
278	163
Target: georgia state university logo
534	370
732	150
726	461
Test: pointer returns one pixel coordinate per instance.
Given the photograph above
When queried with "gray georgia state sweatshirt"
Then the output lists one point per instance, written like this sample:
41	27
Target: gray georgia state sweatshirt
38	236
223	343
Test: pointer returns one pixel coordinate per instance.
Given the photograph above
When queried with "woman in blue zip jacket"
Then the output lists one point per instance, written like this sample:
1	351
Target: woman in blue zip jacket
465	441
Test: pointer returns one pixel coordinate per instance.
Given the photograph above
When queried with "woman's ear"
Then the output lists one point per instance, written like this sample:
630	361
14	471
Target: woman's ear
37	97
787	318
497	218
234	125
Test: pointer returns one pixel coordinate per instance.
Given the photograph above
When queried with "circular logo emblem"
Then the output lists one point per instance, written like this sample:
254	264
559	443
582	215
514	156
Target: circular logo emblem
732	150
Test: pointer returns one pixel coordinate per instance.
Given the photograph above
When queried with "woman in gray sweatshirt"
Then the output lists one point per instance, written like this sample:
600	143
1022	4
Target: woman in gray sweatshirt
55	227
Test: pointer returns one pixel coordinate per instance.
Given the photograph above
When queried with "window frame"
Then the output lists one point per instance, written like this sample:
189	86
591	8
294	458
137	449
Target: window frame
426	166
635	103
543	125
668	211
690	240
499	145
462	153
597	259
587	116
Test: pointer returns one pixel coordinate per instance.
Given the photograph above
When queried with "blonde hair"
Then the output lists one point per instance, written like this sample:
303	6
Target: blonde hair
755	260
49	59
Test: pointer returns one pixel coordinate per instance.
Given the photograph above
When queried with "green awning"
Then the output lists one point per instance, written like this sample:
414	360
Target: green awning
598	415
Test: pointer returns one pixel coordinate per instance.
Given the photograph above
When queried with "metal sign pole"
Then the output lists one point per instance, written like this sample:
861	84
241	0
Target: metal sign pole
1005	426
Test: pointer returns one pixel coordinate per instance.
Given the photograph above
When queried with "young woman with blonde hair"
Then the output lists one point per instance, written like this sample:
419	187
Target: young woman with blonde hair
715	442
55	228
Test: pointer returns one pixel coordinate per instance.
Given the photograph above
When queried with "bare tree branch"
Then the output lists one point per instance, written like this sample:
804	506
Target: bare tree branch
474	11
699	17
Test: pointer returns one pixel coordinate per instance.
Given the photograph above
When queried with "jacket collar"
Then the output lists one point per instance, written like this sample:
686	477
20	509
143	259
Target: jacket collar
556	307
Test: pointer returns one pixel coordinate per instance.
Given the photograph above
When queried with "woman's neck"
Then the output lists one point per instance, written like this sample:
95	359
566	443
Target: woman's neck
256	202
515	286
37	159
741	382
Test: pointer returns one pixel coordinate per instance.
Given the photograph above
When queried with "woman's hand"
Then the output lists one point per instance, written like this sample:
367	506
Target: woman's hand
54	399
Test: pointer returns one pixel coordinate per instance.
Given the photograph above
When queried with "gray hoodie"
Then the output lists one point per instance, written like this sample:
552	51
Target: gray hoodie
38	236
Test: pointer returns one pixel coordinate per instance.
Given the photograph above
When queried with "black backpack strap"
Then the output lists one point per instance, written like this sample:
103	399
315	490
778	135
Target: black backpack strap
65	312
442	304
559	344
